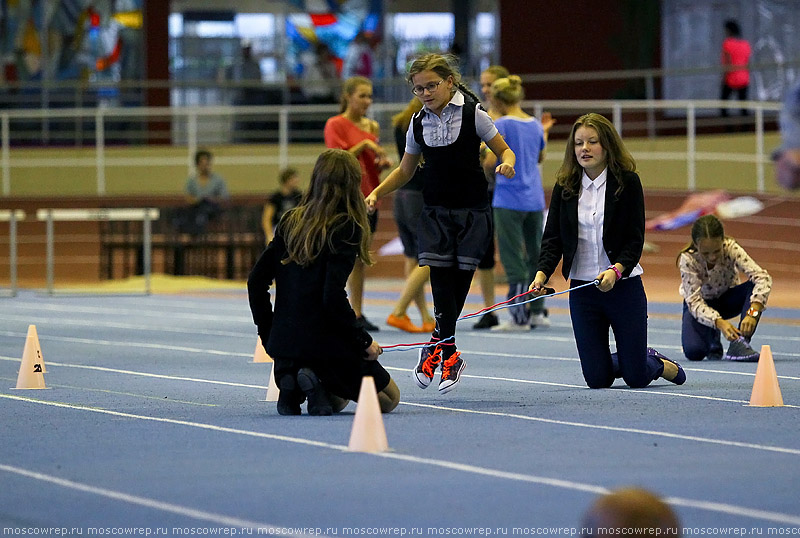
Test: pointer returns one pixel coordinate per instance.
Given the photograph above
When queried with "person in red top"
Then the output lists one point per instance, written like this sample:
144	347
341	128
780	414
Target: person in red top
353	131
735	56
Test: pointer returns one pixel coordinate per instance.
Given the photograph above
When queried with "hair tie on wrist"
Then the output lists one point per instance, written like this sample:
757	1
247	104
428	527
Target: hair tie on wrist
616	271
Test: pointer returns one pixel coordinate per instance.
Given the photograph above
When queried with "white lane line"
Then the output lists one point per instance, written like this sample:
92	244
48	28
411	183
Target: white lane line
55	322
748	374
395	368
779	517
129	344
193	513
739	444
568	385
147	374
500	414
537	337
137	312
120	393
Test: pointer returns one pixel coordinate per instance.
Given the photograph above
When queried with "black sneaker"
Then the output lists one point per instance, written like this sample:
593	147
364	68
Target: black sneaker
318	403
365	324
290	396
430	357
451	372
487	321
740	351
673	372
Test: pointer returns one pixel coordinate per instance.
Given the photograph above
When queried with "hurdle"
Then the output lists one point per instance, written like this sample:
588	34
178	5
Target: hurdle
12	216
145	215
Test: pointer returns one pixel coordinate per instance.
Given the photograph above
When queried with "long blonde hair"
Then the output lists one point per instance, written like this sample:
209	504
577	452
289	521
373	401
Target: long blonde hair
442	65
618	158
349	87
332	201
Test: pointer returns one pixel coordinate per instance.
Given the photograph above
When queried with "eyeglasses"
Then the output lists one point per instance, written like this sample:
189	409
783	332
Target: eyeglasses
430	88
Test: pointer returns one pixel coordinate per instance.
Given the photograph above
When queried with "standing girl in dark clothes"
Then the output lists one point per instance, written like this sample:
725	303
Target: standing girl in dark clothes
455	227
596	224
312	333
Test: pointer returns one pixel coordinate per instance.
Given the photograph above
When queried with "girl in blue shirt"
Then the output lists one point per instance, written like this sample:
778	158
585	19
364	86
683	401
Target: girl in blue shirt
519	203
455	227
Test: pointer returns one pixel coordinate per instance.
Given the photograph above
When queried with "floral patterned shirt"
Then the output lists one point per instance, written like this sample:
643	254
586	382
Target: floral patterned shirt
700	284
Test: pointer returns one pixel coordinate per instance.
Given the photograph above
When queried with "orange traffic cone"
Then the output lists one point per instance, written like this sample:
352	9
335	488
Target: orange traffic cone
766	392
272	390
368	433
260	354
31	371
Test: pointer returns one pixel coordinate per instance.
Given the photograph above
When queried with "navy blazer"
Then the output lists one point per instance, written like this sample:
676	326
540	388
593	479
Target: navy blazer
623	226
312	316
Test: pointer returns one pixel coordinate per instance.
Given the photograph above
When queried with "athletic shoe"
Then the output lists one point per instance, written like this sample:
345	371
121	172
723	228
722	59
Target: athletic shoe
673	371
318	403
451	372
510	326
715	355
429	358
290	396
740	351
403	323
365	324
428	326
542	319
487	321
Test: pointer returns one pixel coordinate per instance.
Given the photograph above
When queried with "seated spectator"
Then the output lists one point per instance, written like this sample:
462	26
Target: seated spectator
287	197
206	193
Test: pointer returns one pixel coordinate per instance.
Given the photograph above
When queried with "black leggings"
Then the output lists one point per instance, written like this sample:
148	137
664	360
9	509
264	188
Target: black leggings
450	287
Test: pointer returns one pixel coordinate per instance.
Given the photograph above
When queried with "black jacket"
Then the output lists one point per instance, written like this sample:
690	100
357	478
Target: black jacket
312	316
623	227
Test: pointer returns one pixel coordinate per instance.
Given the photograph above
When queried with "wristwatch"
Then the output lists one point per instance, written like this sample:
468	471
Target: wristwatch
753	313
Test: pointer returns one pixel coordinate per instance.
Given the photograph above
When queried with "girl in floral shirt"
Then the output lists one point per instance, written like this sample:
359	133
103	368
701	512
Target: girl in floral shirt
712	293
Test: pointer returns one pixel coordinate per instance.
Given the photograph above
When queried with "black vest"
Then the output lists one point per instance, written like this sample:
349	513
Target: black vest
453	174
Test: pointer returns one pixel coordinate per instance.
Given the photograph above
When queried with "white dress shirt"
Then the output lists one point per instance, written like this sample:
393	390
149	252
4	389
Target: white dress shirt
590	257
438	131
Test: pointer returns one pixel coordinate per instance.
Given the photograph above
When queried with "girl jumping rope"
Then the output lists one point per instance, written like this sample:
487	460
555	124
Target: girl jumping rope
455	227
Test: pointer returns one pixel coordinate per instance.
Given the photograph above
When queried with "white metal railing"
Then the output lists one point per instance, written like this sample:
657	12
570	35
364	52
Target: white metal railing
188	127
146	216
12	216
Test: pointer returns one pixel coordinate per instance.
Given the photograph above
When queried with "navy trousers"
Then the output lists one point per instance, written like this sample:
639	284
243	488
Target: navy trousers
624	311
700	340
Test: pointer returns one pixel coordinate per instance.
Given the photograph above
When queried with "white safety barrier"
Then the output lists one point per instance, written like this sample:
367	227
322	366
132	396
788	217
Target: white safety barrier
145	215
11	216
194	125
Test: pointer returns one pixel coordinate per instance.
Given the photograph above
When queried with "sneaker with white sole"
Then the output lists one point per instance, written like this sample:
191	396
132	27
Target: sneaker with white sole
430	357
510	326
740	351
540	320
451	372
